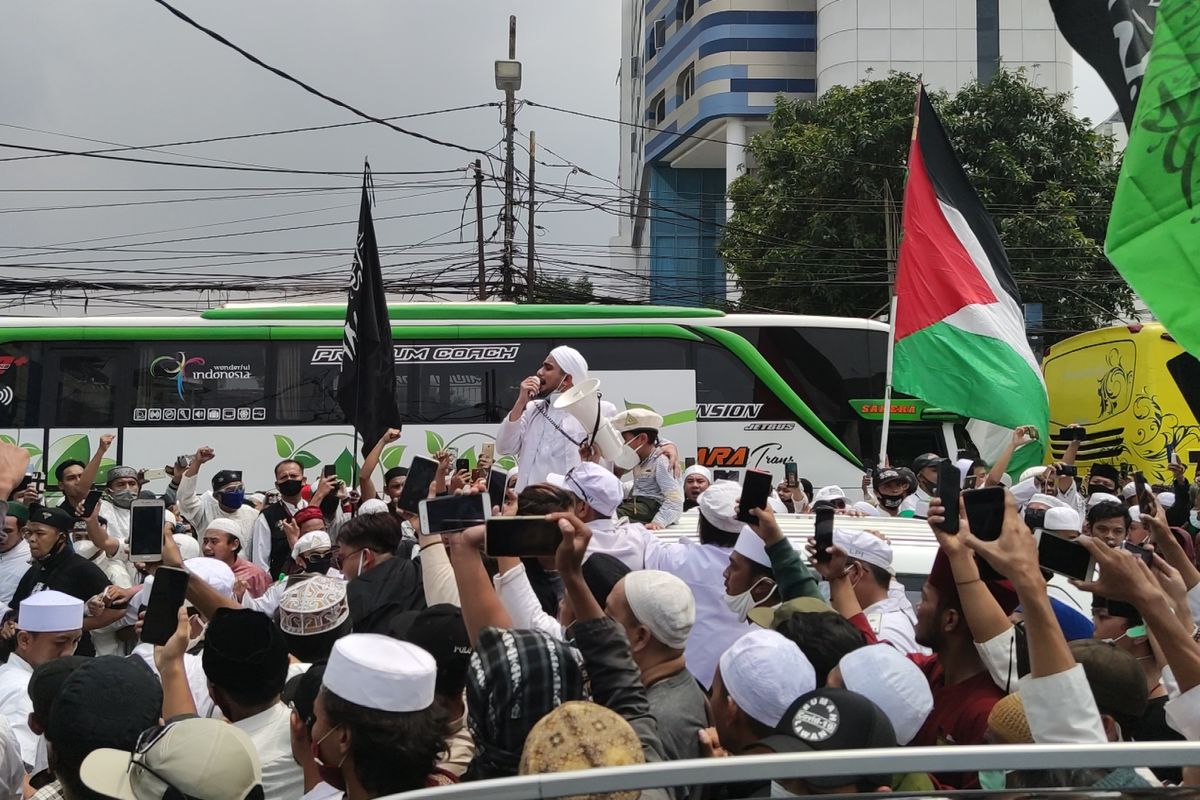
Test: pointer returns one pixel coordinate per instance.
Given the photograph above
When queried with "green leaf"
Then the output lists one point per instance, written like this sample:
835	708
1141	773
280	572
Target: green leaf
679	417
105	465
506	462
629	405
306	459
391	456
469	456
33	450
7	439
434	443
284	446
345	467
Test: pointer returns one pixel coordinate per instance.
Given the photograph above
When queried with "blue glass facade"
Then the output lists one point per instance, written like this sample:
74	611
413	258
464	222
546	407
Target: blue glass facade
684	267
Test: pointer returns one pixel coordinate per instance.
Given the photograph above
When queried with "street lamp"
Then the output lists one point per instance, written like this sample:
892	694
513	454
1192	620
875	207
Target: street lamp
508	76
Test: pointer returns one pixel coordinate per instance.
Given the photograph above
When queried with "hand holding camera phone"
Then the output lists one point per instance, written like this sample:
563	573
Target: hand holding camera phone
521	537
146	530
823	531
756	488
985	516
949	487
162	609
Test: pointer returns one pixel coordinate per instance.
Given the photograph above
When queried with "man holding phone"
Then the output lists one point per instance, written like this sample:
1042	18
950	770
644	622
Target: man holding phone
75	479
224	502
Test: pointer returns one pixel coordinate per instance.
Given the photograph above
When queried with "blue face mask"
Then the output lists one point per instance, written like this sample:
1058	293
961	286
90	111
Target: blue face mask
232	498
993	780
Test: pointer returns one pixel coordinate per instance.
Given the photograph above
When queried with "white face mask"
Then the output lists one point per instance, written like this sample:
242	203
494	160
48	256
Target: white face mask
741	604
1194	518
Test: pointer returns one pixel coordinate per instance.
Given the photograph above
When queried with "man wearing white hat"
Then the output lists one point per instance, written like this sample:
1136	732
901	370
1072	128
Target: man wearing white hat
883	675
657	611
695	480
860	574
223	540
49	626
1063	521
546	439
597	494
749	579
656	496
833	495
376	692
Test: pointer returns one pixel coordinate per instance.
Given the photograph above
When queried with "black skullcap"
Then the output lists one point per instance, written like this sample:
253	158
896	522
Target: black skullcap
245	654
601	572
47	680
84	716
393	473
53	516
1107	471
61	468
301	692
225	477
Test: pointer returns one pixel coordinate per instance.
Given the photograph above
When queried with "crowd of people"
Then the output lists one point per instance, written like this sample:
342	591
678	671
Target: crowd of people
329	648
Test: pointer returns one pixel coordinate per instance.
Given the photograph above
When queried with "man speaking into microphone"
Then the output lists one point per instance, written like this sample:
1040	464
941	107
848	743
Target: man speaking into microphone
545	439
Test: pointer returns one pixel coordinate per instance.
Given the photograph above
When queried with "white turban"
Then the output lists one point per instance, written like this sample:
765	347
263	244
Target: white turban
696	469
571	362
372	506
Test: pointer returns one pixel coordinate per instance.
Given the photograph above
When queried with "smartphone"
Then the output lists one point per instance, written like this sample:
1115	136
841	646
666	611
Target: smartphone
89	504
184	461
1194	456
1171	457
487	452
949	486
725	475
146	530
421	475
756	488
1065	557
985	511
1068	470
1076	434
162	609
497	486
1144	498
823	530
791	474
453	513
689	462
330	471
518	537
462	465
1147	556
24	484
153	474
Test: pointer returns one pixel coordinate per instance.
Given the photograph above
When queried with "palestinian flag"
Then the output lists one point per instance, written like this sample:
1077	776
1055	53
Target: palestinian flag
959	329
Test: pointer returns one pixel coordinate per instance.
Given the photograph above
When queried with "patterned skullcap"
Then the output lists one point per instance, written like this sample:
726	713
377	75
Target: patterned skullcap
313	606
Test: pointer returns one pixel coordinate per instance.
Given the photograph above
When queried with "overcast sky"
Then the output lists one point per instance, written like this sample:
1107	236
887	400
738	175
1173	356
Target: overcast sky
129	73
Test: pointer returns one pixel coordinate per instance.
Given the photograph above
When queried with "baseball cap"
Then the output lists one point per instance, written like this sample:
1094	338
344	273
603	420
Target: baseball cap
831	719
718	504
636	419
53	516
865	547
772	618
203	759
886	677
764	672
887	474
827	494
438	630
593	484
926	460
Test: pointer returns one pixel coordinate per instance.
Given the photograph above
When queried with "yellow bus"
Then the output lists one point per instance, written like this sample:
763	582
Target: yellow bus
1134	389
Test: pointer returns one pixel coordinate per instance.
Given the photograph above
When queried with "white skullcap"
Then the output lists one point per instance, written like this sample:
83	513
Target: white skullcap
169	518
764	672
1031	473
571	362
1129	490
226	525
636	419
750	545
1047	500
188	546
372	506
663	603
258	498
1062	520
1166	499
828	494
886	677
964	468
1135	513
314	540
50	611
594	485
696	469
864	546
863	507
775	504
718	505
379	672
216	574
1102	497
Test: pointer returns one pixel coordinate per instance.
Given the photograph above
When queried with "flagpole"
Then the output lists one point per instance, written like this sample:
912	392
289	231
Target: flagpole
887	386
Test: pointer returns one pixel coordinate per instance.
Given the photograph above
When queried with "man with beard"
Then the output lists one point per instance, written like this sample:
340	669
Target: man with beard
545	439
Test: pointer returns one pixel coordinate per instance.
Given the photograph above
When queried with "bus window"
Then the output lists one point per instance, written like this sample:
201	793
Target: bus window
211	382
91	385
722	378
625	354
20	373
470	382
453	394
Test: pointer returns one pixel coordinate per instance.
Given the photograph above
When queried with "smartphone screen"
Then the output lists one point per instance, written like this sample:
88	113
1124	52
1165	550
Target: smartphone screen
1144	498
1064	556
89	504
949	486
421	475
497	486
330	471
453	513
162	609
823	531
1147	556
462	465
1078	434
791	474
985	511
518	537
756	488
146	530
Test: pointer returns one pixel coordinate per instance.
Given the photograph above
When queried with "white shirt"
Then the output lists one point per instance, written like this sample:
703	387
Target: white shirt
105	639
16	706
323	791
13	566
893	619
12	770
201	509
626	542
540	447
701	567
193	668
519	600
1183	714
1060	708
270	732
118	520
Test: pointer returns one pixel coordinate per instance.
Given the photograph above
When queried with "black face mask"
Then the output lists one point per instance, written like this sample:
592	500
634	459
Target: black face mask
1035	518
318	565
891	500
1099	488
290	488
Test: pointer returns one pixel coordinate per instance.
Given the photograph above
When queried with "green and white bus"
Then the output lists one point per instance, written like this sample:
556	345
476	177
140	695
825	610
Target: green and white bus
258	383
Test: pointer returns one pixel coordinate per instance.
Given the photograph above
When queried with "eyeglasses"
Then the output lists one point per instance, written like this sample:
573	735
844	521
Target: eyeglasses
340	556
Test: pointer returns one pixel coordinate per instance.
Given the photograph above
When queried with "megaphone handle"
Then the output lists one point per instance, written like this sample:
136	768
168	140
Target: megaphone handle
596	425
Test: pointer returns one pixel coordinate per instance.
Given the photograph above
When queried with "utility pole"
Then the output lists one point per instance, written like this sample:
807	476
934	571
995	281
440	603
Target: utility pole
509	129
891	234
529	247
479	227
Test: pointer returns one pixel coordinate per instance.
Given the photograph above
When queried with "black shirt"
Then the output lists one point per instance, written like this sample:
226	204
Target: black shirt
70	573
1153	727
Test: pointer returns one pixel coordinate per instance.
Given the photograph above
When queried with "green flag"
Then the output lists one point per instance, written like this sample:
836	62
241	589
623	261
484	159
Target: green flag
1154	232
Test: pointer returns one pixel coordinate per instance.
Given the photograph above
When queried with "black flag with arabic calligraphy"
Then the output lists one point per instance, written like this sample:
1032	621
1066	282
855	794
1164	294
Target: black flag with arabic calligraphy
367	384
1113	36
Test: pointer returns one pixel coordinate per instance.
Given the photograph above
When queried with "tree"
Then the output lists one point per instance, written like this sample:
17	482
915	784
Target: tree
560	290
808	230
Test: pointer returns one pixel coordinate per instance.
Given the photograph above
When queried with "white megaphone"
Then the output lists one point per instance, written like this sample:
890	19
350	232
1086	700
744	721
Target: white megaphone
583	403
